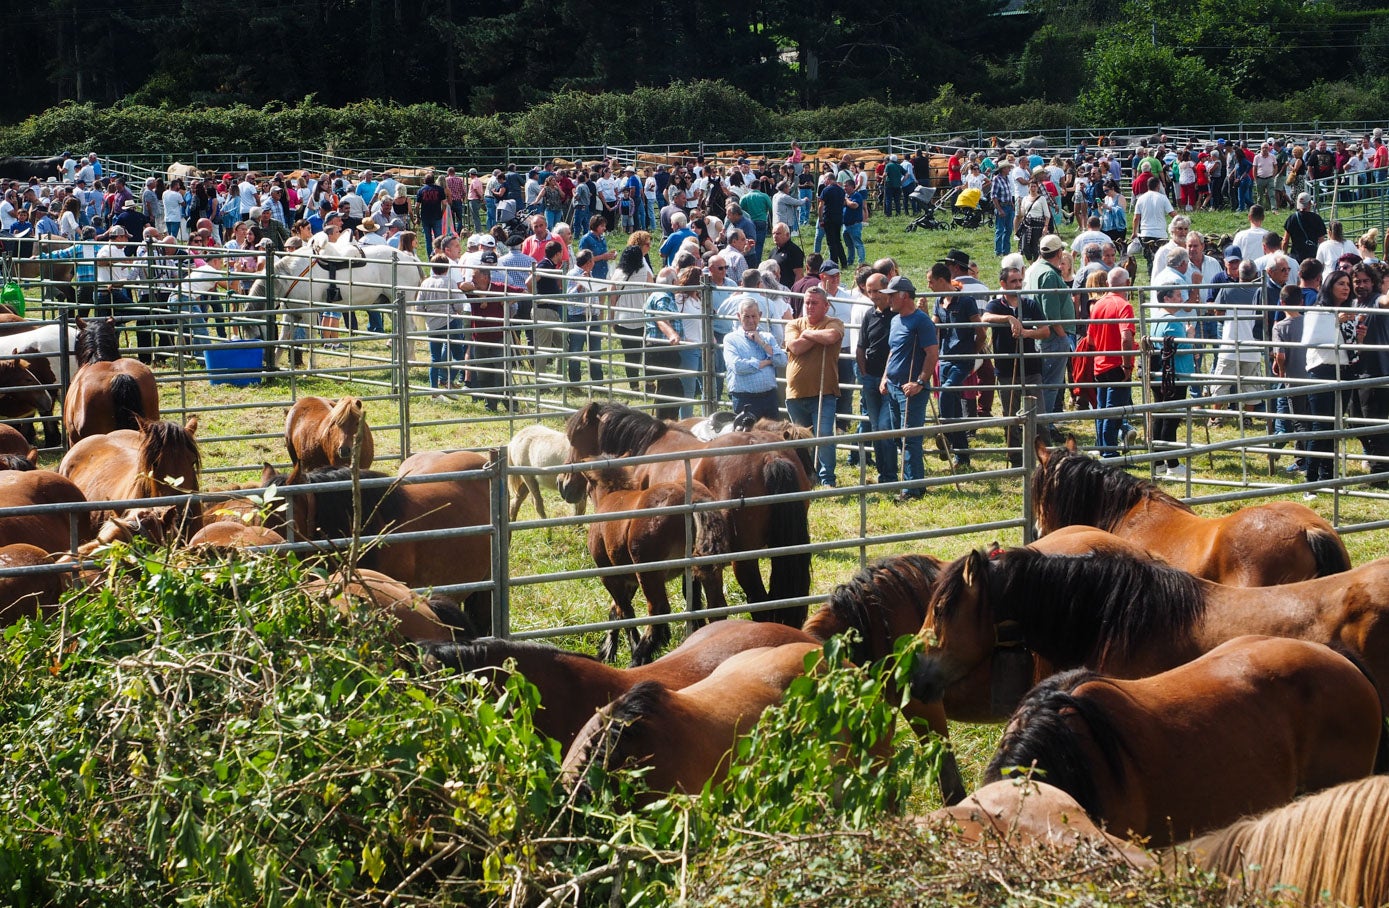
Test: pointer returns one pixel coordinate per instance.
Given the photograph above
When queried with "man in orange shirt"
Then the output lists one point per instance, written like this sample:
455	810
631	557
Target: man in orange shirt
1111	336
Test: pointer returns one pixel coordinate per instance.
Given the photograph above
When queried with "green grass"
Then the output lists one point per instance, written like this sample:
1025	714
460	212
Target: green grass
236	441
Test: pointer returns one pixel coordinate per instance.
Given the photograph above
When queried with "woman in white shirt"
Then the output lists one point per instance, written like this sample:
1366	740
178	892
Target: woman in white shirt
629	306
1326	328
1334	246
174	208
691	303
68	224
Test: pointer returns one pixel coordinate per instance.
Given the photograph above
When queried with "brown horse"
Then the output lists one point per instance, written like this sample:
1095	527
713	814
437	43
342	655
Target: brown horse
1262	545
13	445
319	433
685	735
1131	617
233	534
612	430
574	686
160	459
23	395
26	595
1329	848
1248	726
51	532
644	540
1028	812
418	619
417	507
108	392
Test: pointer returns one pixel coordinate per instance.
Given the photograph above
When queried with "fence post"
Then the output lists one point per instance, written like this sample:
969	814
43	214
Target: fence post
710	397
64	377
501	543
402	344
1029	466
271	337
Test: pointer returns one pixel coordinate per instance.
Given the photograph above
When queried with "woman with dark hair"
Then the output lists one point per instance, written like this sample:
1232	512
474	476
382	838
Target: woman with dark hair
1327	328
1114	222
629	306
716	201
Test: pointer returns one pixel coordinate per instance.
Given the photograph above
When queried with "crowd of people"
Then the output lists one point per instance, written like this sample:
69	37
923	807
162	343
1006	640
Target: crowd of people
713	266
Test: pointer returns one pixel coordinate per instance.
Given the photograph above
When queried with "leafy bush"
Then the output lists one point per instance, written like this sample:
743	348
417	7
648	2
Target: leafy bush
1139	83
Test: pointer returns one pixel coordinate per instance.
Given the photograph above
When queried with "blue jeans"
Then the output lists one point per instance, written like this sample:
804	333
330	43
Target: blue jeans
879	415
692	361
803	213
475	214
762	230
952	405
853	243
803	412
581	218
909	413
552	217
763	405
1113	391
432	229
446	356
1053	396
580	337
492	212
892	200
1003	230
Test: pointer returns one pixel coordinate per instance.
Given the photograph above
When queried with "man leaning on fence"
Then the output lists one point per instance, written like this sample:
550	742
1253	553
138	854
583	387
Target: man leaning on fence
812	374
1017	327
913	350
1044	282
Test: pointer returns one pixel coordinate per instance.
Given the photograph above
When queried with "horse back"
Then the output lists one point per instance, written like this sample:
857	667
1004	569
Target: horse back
105	466
1274	543
49	532
711	646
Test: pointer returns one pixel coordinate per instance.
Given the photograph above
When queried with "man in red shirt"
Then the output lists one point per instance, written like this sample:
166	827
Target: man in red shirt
1111	336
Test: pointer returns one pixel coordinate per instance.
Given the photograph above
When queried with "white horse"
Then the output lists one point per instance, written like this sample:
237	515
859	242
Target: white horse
44	341
353	275
537	446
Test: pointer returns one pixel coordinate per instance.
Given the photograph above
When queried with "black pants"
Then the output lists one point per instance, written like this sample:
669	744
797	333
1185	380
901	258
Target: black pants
1373	403
661	358
834	236
631	341
1165	427
1323	403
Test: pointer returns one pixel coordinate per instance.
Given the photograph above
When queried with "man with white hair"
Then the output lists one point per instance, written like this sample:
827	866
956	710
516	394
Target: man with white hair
679	232
1238	356
733	254
1111	337
1177	231
1265	169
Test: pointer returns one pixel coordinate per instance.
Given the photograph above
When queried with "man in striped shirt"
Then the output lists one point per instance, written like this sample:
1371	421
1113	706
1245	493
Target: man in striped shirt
1001	193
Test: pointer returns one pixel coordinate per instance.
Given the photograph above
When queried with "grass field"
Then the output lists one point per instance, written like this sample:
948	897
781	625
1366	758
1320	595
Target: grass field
241	438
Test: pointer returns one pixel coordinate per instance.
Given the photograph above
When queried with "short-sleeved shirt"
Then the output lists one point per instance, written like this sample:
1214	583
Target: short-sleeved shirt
832	204
911	336
816	371
757	206
953	315
1055	297
598	245
1288	335
788	259
1106	338
873	340
1029	312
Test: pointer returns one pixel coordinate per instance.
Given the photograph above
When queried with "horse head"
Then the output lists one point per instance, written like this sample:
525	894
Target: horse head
339	431
959	631
23	390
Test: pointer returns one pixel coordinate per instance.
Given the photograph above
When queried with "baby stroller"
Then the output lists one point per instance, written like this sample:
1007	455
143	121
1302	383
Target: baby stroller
516	221
923	195
966	210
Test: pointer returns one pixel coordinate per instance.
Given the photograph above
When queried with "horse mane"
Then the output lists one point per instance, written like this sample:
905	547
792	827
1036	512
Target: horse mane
1040	735
155	439
1332	842
489	652
1070	488
621	429
599	741
381	505
1079	608
341	411
16	462
866	600
613	479
96	342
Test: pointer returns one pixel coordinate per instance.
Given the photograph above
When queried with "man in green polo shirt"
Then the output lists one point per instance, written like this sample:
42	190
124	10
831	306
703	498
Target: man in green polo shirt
1044	283
758	206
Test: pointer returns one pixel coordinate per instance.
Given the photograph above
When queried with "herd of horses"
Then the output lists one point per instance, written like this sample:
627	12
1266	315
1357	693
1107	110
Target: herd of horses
1164	679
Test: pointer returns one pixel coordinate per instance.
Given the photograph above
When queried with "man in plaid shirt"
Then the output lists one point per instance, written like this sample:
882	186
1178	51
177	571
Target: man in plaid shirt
1001	192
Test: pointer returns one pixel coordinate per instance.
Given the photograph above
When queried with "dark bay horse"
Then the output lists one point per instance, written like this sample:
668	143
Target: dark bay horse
161	458
574	686
1261	545
23	395
1248	726
430	506
1130	617
109	392
320	432
612	430
685	736
644	540
1328	848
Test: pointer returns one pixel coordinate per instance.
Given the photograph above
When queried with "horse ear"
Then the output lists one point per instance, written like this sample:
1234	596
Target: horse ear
976	563
267	473
81	323
191	427
1043	452
1071	445
33	456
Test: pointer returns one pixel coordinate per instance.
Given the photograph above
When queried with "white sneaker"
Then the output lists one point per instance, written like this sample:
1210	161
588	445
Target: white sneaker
441	398
1178	472
1309	496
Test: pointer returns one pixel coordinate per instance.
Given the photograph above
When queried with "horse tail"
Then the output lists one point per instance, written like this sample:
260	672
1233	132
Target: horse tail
789	525
1328	551
713	535
127	403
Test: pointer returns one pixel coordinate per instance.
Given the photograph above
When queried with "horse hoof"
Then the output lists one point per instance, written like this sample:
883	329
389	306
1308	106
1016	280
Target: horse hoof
607	650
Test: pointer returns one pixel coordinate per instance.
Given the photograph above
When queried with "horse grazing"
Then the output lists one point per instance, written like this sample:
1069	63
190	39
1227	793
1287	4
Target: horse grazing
108	392
1328	848
418	619
1261	545
27	595
417	507
1130	617
226	535
160	459
685	735
537	446
574	686
642	540
612	430
320	433
1248	726
1028	812
16	453
51	532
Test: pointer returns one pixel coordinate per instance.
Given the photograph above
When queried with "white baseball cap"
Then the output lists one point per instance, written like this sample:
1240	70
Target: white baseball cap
487	241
